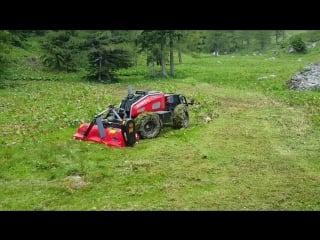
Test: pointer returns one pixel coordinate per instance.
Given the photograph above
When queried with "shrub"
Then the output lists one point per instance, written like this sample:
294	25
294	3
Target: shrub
298	44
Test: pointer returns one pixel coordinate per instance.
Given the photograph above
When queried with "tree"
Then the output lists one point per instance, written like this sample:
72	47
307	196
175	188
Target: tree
161	36
263	38
104	62
217	41
4	46
188	41
171	41
174	36
106	54
278	34
59	51
133	41
194	40
149	40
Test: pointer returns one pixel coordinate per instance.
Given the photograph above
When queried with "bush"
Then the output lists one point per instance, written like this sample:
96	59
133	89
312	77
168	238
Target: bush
298	44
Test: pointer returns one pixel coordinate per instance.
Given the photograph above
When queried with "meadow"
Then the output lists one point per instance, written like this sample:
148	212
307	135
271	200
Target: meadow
258	151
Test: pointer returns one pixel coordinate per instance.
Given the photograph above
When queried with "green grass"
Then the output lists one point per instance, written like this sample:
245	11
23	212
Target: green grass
259	152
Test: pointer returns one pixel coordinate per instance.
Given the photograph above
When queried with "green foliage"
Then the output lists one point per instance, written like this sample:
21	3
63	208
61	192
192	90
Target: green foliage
310	36
223	41
194	41
4	51
18	37
59	51
298	44
231	41
278	35
4	45
284	44
154	43
263	38
104	62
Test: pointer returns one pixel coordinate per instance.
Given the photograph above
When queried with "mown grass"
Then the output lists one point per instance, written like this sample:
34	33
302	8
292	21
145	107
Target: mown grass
258	151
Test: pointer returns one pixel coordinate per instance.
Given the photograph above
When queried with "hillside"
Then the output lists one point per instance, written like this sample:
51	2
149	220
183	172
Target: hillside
258	151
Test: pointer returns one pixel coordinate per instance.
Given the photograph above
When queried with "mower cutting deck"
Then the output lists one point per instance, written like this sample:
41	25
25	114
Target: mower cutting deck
111	130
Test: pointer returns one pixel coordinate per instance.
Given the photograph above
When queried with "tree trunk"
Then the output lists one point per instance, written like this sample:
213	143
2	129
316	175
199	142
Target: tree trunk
163	59
153	70
136	60
100	66
108	76
179	56
172	73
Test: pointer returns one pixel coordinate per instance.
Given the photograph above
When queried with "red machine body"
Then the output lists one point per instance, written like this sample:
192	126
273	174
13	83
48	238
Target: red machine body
150	103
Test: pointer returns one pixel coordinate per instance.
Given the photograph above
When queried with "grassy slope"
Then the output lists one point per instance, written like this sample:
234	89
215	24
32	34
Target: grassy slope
261	153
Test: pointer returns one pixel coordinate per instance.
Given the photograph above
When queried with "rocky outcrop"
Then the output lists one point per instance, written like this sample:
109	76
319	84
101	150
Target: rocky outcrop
307	79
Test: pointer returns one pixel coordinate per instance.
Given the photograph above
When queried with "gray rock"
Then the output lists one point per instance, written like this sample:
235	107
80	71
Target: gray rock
307	79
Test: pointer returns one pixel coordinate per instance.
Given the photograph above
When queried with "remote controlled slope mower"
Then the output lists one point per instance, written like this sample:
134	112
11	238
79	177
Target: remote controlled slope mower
140	115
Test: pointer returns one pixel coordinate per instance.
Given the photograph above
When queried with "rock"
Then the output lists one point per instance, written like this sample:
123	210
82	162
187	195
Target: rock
291	50
207	119
74	182
307	79
266	77
262	78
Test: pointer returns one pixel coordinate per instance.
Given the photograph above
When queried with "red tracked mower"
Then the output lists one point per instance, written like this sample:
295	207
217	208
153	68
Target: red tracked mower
140	115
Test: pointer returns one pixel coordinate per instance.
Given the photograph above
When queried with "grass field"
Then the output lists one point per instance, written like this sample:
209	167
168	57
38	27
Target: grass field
259	152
